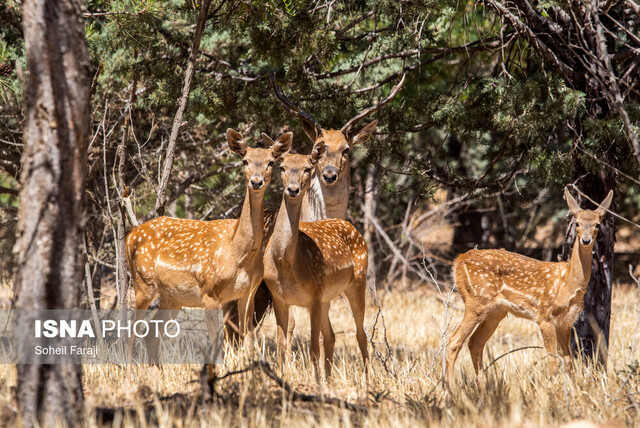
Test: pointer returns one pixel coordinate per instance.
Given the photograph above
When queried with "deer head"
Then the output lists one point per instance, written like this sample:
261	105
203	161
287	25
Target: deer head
258	162
296	171
587	221
338	143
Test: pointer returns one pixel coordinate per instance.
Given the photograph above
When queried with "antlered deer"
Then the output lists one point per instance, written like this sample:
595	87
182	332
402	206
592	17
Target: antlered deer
310	264
206	263
328	194
494	283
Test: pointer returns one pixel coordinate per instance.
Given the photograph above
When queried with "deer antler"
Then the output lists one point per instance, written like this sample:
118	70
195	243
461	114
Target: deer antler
366	112
305	117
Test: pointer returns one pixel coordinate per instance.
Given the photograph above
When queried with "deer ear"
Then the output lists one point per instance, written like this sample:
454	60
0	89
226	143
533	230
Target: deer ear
236	142
266	140
365	133
604	206
317	152
573	205
282	145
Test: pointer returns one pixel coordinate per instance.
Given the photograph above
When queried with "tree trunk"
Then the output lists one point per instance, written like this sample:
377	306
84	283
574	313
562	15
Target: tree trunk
49	271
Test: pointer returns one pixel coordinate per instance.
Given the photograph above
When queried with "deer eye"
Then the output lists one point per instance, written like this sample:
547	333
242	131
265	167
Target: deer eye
282	169
245	162
270	164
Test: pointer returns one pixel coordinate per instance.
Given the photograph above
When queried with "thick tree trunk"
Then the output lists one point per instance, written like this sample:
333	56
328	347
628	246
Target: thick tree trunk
592	327
49	246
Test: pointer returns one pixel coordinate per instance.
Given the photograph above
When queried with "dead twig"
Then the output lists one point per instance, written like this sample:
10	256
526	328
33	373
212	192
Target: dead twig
182	105
294	395
510	352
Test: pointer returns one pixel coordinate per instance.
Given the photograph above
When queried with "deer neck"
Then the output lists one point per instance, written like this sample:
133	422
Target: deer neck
323	201
284	240
580	264
247	237
313	207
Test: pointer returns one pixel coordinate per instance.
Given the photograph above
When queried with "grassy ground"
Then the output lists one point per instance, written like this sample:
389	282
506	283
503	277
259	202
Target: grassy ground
519	390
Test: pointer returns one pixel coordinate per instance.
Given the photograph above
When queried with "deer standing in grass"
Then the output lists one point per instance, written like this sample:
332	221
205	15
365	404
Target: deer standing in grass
309	264
206	263
328	193
494	283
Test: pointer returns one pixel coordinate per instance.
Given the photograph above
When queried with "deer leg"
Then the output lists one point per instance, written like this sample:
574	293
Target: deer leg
290	327
329	339
457	339
211	306
480	337
316	319
231	329
144	297
550	342
167	309
245	312
357	303
281	311
563	335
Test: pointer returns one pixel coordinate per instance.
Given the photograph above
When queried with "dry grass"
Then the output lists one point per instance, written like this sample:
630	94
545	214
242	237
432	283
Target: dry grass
519	391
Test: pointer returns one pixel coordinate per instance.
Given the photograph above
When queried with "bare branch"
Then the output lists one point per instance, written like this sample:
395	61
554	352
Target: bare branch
177	122
354	23
618	102
547	54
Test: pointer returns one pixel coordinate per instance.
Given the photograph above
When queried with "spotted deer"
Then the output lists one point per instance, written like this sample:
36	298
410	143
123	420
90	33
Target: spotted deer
309	264
494	283
206	263
328	194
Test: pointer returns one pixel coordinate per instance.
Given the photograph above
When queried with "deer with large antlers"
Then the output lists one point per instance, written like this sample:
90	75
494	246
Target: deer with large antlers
494	283
206	263
328	194
309	264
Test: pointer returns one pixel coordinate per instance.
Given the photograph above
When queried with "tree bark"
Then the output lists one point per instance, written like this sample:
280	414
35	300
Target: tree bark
49	271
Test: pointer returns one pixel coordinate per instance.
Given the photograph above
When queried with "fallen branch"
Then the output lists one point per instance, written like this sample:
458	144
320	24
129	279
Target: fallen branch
294	395
510	352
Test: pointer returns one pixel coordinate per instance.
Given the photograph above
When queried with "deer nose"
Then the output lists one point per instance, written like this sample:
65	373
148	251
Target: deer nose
329	174
257	182
293	190
586	240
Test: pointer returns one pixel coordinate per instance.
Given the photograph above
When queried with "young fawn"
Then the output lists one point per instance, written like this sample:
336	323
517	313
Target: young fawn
494	283
206	263
310	264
